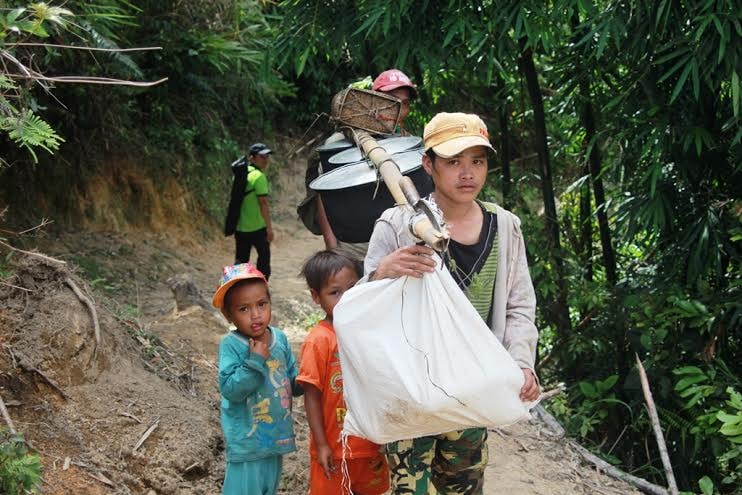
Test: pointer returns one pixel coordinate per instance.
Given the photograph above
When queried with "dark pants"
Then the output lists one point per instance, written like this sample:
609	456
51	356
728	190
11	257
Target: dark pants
245	241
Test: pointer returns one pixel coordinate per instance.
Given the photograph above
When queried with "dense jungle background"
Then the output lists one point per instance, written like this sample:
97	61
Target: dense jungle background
619	138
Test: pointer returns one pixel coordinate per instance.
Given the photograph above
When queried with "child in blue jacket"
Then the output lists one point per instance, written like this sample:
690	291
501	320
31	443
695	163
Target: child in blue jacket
257	374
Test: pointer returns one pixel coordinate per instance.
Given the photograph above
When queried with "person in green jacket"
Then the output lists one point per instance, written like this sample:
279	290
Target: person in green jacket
248	214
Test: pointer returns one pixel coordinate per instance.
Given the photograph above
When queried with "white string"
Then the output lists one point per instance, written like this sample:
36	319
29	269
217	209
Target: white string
344	471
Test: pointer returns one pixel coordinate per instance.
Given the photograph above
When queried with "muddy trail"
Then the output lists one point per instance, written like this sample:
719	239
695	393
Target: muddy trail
140	414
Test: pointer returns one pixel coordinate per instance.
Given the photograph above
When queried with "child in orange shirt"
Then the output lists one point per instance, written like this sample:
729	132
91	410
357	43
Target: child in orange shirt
329	274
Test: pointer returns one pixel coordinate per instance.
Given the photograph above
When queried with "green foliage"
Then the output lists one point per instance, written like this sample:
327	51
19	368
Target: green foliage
29	131
660	80
20	470
713	430
21	125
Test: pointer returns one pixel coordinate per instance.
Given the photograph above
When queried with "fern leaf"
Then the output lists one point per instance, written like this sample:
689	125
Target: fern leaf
31	131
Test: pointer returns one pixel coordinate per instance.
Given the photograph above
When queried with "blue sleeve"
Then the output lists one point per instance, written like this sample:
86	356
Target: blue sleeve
239	377
291	369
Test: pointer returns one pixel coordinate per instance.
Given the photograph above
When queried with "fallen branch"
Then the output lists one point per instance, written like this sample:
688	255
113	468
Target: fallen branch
86	300
44	222
657	428
100	477
517	440
129	415
30	253
642	484
552	393
27	366
146	434
6	416
15	286
88	80
549	420
73	47
612	471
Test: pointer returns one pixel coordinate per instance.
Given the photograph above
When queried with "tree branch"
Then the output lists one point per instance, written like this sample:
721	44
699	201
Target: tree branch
86	300
73	47
30	253
657	428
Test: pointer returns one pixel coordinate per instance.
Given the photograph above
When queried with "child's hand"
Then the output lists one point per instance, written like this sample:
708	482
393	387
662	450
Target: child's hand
259	347
324	457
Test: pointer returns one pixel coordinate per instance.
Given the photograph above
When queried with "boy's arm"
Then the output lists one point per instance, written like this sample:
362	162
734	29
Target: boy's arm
382	242
328	235
262	190
521	335
385	259
313	406
265	211
291	370
238	378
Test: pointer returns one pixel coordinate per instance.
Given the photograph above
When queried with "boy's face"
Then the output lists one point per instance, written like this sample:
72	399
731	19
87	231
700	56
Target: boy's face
331	292
249	308
458	179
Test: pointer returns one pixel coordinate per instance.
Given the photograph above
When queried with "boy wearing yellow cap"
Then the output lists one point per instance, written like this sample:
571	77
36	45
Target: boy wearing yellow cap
487	258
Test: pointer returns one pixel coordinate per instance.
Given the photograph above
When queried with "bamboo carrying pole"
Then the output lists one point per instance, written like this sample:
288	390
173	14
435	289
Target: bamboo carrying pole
402	189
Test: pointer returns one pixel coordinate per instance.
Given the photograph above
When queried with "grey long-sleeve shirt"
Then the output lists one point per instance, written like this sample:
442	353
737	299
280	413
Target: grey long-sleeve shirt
514	300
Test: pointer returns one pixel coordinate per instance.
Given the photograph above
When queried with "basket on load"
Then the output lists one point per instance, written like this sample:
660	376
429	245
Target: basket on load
366	110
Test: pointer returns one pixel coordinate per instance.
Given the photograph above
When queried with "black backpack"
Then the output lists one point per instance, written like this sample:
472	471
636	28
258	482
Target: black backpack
240	168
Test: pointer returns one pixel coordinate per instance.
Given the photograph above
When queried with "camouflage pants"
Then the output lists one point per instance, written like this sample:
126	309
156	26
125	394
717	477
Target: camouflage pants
451	463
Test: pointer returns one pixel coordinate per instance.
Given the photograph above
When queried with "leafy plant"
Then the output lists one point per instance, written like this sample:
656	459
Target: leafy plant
20	469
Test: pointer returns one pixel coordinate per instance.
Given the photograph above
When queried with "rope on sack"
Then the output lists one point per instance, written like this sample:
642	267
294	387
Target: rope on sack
344	471
425	354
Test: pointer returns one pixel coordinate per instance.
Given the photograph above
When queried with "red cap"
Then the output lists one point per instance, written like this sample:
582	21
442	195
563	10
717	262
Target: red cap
393	79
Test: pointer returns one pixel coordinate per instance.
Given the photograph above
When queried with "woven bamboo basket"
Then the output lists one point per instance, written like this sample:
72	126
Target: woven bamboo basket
368	110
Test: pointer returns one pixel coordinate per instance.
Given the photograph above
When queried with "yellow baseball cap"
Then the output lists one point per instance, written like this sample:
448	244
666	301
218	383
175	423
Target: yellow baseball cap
448	134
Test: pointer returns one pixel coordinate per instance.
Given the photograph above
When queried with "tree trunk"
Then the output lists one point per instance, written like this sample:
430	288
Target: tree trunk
586	225
560	310
588	122
504	152
588	119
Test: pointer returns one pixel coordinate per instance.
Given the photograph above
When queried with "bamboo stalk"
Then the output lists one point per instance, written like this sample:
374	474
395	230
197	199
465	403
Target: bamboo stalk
673	487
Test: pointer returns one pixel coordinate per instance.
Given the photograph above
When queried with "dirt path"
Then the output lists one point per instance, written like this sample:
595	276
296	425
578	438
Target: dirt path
524	459
157	368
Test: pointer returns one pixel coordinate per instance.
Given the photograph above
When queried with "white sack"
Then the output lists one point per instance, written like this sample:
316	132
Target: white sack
418	360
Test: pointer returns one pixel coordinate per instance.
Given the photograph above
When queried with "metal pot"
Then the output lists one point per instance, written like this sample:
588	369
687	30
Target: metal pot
392	145
325	151
354	196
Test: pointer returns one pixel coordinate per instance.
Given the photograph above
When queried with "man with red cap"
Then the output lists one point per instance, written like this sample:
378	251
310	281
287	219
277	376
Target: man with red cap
395	83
